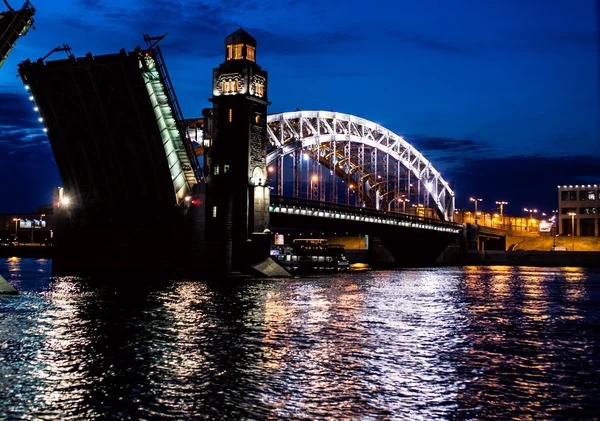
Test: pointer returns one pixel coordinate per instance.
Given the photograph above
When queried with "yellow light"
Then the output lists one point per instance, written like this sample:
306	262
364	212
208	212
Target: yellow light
271	169
315	178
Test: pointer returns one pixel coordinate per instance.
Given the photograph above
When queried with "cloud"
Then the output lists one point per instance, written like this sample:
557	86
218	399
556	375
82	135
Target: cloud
28	160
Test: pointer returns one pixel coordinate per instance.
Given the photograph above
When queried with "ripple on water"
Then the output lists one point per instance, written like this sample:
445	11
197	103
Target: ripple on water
443	343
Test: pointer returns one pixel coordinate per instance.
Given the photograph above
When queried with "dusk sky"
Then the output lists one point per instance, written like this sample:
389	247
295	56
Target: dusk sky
502	96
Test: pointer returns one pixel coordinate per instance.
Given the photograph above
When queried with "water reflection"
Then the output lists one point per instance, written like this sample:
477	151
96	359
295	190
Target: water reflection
526	349
443	343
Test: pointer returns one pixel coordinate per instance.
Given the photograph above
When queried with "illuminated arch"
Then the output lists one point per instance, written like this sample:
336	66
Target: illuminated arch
340	141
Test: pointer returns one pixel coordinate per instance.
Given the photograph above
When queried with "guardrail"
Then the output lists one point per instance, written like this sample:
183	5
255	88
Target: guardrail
306	207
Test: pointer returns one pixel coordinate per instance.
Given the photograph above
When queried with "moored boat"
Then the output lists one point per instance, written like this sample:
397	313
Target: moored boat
310	255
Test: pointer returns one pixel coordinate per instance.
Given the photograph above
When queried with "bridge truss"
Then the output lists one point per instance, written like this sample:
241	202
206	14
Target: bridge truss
340	158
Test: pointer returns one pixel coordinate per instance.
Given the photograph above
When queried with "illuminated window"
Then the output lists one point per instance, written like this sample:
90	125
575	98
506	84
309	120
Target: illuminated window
229	52
236	86
250	52
225	86
230	115
587	195
260	90
237	51
216	170
225	168
214	211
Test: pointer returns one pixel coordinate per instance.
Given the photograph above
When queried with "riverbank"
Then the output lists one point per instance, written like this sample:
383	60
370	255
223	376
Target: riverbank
38	252
534	258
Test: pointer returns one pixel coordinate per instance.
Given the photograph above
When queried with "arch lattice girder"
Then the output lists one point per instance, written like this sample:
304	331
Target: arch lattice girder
289	132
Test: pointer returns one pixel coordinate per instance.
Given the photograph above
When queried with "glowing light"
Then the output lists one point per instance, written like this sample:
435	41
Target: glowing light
65	201
188	198
26	87
35	109
45	130
31	97
40	119
271	169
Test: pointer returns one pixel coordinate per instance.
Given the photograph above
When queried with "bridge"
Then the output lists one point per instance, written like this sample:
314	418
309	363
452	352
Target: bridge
120	143
14	24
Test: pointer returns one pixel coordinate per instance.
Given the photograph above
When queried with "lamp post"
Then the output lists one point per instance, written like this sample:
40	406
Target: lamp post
313	179
475	200
553	219
572	215
531	212
350	187
16	226
404	200
501	203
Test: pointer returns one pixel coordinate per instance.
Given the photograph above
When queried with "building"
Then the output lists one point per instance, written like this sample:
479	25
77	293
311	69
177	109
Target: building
237	193
578	208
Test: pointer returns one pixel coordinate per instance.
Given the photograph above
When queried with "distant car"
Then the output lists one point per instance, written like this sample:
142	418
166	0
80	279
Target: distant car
558	248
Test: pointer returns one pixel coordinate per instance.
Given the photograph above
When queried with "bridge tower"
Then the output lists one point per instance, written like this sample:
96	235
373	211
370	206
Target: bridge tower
237	195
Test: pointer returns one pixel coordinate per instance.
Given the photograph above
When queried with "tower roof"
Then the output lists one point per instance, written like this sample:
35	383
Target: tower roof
240	37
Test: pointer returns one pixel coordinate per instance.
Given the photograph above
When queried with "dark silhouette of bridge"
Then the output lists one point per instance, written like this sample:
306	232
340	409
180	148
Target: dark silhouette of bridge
136	172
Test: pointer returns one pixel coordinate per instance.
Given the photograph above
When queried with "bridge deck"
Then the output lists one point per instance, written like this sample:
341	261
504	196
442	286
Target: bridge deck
313	208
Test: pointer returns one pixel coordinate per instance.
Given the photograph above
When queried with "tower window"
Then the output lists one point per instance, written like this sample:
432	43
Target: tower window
214	211
230	115
260	90
237	51
225	168
216	170
250	52
229	52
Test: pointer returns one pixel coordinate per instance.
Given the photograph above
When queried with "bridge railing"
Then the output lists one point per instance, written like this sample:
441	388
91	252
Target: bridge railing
326	206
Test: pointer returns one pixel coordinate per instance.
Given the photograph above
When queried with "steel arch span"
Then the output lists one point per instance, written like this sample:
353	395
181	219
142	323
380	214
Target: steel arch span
340	158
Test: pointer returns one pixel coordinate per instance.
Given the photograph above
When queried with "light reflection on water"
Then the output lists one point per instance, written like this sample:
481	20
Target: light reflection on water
440	343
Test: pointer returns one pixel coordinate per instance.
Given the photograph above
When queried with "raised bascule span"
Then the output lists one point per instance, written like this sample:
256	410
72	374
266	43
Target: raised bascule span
14	24
123	155
140	198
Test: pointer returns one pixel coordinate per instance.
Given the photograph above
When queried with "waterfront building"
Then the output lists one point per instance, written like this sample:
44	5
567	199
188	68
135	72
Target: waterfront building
578	209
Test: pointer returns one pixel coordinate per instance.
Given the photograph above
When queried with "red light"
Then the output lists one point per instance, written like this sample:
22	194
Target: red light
196	202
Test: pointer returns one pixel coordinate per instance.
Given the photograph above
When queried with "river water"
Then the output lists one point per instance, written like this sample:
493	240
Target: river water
457	343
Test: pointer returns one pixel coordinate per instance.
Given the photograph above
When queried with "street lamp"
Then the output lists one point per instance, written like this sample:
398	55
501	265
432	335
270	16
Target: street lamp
313	179
553	219
404	200
16	226
531	212
501	203
572	215
475	200
350	187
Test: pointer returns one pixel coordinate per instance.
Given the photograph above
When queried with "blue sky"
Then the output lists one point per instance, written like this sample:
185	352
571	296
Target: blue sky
501	96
